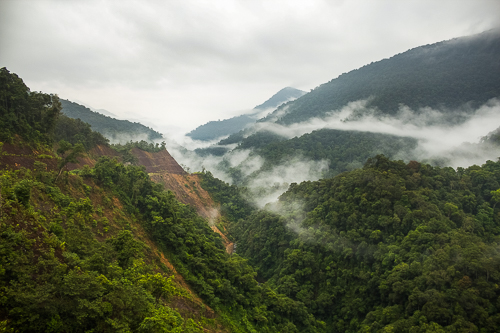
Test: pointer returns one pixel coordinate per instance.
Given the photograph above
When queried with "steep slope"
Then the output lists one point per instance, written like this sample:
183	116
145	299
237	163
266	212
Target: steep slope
24	156
114	129
74	259
98	249
163	169
216	129
95	249
161	161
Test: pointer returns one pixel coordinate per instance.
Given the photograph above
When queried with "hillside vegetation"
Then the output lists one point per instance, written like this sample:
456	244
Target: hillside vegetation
454	77
389	247
106	249
118	131
444	75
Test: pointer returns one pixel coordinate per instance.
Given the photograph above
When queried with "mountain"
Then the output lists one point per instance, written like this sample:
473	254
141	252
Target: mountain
284	95
345	121
105	112
445	75
91	244
219	128
114	129
216	129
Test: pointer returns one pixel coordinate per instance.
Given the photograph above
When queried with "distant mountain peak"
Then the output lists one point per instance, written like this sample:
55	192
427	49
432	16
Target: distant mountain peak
284	95
217	129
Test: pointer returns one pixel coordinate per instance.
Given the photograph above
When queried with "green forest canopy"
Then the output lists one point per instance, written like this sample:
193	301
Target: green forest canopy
390	247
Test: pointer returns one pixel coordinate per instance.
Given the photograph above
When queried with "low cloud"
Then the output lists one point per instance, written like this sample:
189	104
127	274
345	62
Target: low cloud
123	138
445	137
320	234
440	133
267	186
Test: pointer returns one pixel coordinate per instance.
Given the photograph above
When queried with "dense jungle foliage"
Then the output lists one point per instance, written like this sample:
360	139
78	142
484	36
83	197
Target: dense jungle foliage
69	262
79	271
223	281
233	200
76	131
390	247
114	129
36	117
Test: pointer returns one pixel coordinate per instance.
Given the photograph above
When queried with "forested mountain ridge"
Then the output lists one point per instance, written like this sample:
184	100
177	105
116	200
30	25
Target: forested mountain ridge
444	85
114	129
219	128
216	129
444	75
390	247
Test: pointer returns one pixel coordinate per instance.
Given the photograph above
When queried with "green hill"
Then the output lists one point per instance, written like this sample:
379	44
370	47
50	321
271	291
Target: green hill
389	247
116	130
105	249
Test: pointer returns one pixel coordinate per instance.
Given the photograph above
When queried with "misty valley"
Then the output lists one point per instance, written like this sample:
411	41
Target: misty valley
369	204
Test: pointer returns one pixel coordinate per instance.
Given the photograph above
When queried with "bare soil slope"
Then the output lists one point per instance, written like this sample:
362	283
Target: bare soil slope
164	169
161	161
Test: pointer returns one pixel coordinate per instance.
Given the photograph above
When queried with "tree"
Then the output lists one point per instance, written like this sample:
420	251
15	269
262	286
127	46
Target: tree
72	153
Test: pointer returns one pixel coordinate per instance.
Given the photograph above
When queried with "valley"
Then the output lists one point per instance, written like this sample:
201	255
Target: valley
369	204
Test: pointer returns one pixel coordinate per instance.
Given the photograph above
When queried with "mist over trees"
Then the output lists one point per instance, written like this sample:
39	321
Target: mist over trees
392	246
216	129
444	75
442	85
374	241
118	131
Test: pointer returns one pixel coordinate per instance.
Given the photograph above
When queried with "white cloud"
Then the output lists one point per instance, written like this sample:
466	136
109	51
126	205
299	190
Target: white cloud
451	144
184	63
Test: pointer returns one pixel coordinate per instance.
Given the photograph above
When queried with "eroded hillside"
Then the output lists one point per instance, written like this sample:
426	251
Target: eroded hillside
162	168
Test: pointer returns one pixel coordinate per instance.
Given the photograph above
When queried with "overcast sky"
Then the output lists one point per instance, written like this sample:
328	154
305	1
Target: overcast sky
175	65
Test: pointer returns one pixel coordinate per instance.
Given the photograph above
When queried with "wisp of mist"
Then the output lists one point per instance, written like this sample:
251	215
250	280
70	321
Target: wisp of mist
454	142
